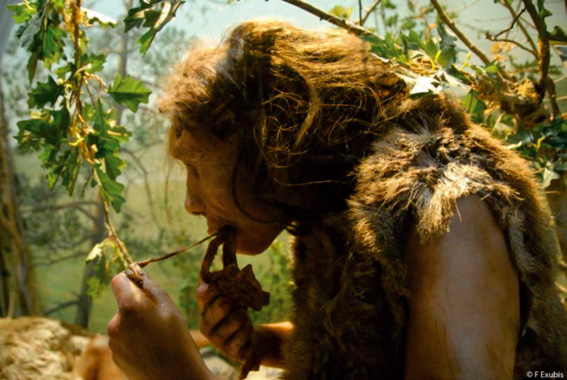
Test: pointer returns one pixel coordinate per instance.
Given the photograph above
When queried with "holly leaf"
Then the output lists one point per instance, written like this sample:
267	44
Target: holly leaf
129	91
424	86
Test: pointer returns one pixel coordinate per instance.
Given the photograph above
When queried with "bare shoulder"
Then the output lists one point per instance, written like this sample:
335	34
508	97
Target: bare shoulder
474	241
464	299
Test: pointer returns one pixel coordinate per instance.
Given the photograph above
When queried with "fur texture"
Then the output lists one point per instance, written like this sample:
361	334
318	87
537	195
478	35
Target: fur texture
352	282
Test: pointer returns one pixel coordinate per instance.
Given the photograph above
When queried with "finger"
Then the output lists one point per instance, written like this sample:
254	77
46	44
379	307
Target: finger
228	328
205	295
113	327
239	345
129	296
215	313
149	285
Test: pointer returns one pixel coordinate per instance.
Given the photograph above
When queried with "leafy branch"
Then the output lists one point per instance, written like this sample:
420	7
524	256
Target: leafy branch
72	120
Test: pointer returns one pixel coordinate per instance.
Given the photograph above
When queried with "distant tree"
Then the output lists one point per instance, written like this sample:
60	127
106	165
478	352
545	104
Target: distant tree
17	293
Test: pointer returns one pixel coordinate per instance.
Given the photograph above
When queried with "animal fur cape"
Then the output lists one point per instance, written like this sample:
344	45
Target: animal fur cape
351	278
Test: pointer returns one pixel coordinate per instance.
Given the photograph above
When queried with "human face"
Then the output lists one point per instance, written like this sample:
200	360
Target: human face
210	166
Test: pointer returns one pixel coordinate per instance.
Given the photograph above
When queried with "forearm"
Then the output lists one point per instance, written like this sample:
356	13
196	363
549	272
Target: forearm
270	340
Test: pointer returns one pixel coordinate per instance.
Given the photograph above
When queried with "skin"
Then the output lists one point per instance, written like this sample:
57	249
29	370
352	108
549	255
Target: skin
210	164
463	315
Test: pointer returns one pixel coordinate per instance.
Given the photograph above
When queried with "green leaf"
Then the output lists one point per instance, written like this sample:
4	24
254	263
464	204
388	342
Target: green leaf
44	93
32	66
386	47
101	276
71	170
53	44
146	40
100	123
129	91
340	11
474	106
93	62
113	165
154	14
103	20
448	48
558	36
120	133
20	12
28	30
543	12
111	190
492	68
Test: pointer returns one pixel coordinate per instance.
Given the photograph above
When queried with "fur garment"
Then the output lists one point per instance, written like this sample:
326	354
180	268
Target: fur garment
351	277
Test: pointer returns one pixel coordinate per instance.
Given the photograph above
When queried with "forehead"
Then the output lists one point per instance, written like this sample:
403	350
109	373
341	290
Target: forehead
201	145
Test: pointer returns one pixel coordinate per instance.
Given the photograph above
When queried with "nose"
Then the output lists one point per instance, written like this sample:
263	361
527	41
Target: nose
193	204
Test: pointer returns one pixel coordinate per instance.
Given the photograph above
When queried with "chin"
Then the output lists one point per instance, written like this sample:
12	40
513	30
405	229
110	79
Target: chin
247	247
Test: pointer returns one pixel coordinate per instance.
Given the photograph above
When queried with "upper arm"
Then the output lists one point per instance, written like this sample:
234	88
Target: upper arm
464	307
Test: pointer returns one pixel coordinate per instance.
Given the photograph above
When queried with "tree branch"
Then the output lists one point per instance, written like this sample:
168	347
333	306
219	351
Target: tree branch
447	20
516	43
516	18
370	10
61	306
340	22
58	260
544	50
71	205
520	25
555	111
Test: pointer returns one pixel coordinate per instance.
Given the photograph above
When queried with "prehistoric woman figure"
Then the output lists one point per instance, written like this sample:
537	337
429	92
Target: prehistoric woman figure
423	247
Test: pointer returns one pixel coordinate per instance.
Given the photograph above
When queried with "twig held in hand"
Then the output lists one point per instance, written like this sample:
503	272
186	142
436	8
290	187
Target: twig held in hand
143	263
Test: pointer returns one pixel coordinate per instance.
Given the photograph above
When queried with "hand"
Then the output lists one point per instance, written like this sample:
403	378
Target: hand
226	324
148	337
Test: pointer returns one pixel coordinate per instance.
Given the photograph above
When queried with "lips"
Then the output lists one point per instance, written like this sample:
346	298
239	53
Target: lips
213	227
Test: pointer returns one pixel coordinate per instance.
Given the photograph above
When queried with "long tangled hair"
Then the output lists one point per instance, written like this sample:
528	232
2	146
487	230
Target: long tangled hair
305	103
